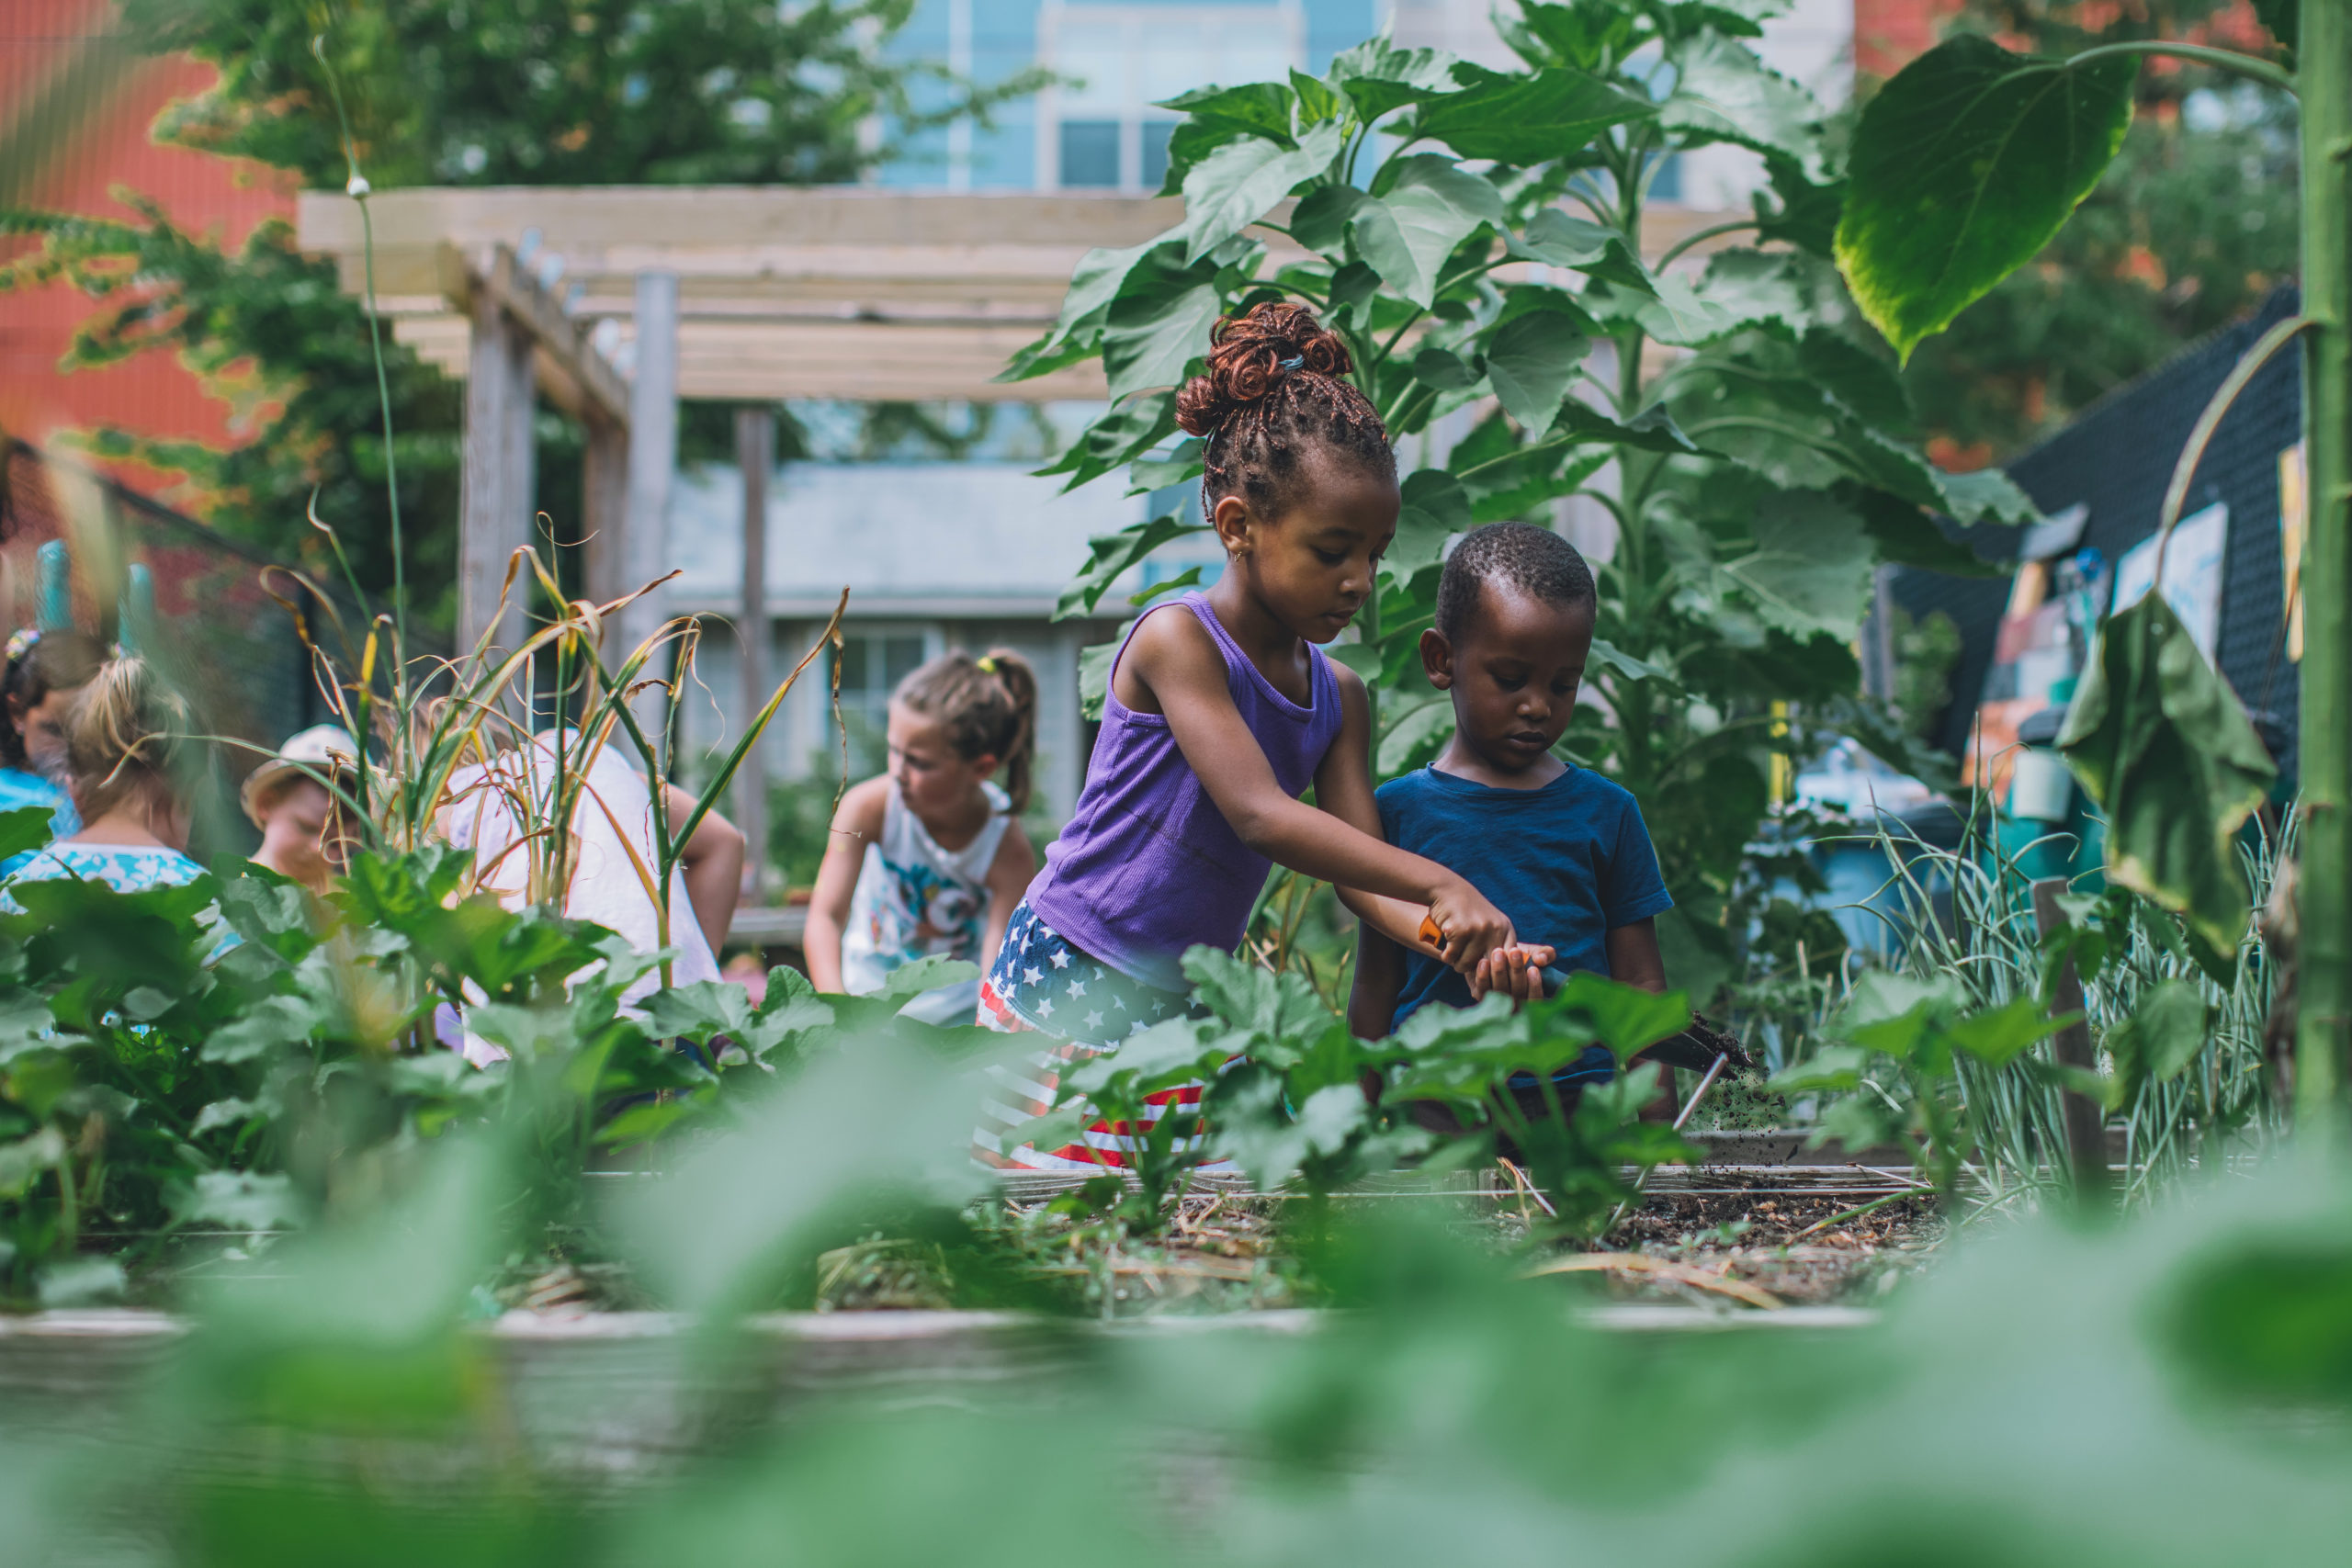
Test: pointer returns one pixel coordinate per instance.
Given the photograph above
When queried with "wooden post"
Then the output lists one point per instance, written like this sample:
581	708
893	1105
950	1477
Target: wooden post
494	494
523	474
756	455
604	509
2085	1119
652	454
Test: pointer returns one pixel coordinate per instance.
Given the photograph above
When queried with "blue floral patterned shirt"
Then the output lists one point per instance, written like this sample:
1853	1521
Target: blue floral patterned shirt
126	868
18	790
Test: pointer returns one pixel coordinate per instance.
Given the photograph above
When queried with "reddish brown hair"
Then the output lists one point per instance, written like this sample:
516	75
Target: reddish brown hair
1276	390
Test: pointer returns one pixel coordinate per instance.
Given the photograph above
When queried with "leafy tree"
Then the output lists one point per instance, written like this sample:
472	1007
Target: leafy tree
266	314
556	92
1473	235
518	92
2192	224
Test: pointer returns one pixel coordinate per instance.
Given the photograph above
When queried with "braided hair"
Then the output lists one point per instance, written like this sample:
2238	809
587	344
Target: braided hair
1274	391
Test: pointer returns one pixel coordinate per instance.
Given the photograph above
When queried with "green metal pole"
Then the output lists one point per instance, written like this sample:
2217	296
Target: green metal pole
2324	969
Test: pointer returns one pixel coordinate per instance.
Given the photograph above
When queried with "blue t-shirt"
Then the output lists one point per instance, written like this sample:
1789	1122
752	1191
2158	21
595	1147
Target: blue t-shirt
1568	862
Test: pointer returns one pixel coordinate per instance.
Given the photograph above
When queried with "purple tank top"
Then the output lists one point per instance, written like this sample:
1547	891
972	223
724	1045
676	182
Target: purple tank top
1147	865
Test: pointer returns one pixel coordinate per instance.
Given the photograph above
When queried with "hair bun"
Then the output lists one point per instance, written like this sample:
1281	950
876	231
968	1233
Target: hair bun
1252	354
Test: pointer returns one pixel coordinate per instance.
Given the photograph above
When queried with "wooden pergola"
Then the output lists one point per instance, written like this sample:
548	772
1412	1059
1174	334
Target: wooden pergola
617	302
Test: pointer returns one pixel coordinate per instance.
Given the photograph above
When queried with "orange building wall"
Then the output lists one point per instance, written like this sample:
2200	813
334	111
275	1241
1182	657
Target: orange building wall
1888	34
151	394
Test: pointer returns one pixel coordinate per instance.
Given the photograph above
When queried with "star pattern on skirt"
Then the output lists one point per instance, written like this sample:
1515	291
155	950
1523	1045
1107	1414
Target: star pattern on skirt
1038	975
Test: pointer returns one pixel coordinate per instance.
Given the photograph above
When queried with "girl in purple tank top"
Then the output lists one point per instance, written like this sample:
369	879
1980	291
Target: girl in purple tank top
1222	711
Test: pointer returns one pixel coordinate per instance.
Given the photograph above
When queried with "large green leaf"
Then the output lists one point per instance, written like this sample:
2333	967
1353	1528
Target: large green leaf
2165	1032
1121	436
1760	288
1625	1018
1652	430
1527	119
1810	572
1319	221
1159	321
1723	93
1256	108
1905	535
1216	116
1380	77
1532	362
1239	183
1858	378
1561	239
2161	744
1426	208
1675	314
1965	165
1794	211
1997	1035
1436	507
1987	495
1109	557
1077	332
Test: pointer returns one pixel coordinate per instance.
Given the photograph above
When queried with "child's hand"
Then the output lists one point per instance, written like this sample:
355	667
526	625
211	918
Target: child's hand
1469	927
1516	971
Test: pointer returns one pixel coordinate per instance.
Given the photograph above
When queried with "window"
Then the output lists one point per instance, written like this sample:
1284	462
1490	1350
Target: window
1101	131
1091	154
1667	184
872	665
1156	133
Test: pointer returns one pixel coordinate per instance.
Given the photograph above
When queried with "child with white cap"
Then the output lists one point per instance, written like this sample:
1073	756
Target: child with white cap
303	838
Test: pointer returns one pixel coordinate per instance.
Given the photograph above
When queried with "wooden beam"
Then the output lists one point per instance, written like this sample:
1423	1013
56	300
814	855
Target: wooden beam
753	361
580	220
780	293
561	340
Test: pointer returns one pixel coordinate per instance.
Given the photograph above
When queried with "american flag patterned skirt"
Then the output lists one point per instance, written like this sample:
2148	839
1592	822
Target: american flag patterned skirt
1041	984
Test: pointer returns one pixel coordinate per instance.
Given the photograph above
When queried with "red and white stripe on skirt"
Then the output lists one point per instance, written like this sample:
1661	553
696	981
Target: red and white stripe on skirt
1018	1094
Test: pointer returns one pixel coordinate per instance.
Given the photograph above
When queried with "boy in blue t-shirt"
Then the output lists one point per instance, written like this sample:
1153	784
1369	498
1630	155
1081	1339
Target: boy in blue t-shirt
1559	849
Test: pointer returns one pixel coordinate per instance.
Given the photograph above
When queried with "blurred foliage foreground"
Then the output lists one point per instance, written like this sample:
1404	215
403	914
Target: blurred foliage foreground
332	1192
2173	1391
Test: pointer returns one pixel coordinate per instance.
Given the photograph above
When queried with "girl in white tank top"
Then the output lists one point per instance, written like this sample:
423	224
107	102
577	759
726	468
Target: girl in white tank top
929	860
915	899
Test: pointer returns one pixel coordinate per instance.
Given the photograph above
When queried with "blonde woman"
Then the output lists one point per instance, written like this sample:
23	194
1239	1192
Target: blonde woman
123	736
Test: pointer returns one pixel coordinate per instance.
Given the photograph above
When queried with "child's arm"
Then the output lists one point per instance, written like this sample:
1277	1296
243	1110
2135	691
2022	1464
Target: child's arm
856	823
1010	874
1182	674
1634	957
713	861
1380	979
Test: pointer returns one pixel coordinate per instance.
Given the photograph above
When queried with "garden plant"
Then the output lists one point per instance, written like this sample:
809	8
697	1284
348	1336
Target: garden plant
266	1135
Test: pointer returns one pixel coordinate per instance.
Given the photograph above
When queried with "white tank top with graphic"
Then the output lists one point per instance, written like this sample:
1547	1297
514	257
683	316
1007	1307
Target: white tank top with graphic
917	900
